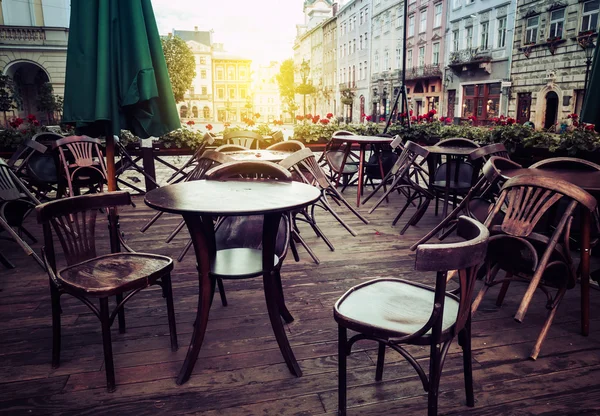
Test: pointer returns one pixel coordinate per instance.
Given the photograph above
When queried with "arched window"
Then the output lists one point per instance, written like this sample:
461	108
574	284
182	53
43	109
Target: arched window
206	112
195	111
183	110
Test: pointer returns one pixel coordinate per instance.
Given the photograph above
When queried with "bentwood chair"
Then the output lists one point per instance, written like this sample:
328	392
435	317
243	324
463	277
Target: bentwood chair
230	148
333	159
91	277
36	167
189	166
16	203
287	146
239	238
541	258
247	139
396	312
82	164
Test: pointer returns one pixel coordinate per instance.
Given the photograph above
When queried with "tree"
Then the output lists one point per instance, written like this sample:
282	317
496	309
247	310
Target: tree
181	65
8	96
287	88
47	102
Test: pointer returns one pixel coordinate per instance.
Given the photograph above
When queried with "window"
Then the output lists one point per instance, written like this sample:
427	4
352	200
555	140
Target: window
589	18
435	54
388	22
231	93
422	56
481	101
411	25
219	74
203	60
353	75
531	29
469	37
469	1
423	23
220	93
366	43
409	62
398	58
204	91
437	20
557	21
386	61
360	72
362	16
242	93
455	4
353	45
501	32
242	73
485	35
230	72
203	74
399	17
376	62
455	41
365	71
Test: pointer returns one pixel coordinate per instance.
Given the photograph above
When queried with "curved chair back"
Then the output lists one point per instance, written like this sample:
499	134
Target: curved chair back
306	167
46	137
287	146
485	152
206	162
230	148
457	142
567	163
248	139
81	156
252	170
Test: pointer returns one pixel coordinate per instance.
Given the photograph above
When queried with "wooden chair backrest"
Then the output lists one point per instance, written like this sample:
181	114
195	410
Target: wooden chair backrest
570	163
85	152
304	161
485	152
74	222
206	162
230	148
457	142
464	256
9	190
243	138
251	170
24	153
287	146
408	157
396	142
47	136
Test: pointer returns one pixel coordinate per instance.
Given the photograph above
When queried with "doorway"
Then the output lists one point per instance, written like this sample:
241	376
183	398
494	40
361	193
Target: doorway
551	110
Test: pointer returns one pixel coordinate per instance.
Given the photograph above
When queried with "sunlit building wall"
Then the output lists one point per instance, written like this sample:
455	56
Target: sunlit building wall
265	93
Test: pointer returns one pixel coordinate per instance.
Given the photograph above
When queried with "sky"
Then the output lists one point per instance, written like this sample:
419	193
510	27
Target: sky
262	30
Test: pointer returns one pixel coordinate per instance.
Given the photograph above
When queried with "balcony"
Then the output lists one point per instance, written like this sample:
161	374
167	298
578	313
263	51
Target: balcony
470	59
424	72
34	35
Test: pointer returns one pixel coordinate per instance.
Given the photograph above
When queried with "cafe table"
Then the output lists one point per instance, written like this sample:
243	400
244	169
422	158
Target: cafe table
274	156
199	202
362	142
590	182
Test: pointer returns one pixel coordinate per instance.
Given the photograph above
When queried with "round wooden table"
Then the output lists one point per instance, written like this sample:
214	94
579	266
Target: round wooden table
588	181
362	142
259	154
198	202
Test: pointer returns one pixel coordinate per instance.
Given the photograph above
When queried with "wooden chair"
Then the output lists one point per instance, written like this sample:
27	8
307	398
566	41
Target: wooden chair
527	254
486	152
287	146
36	167
189	166
82	163
16	203
477	202
394	312
230	148
403	181
89	276
247	139
239	239
333	158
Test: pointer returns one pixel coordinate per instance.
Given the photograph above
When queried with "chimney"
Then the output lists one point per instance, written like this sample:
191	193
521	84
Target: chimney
195	28
335	9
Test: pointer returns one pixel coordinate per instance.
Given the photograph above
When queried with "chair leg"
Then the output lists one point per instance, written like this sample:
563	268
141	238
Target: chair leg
222	291
283	310
168	294
121	314
187	247
503	290
491	274
294	250
464	337
380	362
544	332
306	247
56	311
435	372
342	358
107	344
5	262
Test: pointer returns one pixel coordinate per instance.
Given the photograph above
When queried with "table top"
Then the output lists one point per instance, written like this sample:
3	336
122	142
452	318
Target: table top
450	150
231	197
363	139
259	154
586	180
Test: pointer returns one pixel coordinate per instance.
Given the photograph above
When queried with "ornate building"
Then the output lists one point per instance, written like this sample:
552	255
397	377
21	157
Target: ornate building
479	47
549	58
33	47
231	85
265	93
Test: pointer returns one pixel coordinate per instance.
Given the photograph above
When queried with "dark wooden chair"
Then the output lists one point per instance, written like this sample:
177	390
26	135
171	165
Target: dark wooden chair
239	238
189	166
540	258
477	202
16	203
486	152
89	276
36	167
567	163
230	148
287	146
397	312
333	157
402	180
82	164
247	139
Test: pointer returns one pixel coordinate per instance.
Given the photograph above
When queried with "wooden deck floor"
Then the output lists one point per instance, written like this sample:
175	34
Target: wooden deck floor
240	370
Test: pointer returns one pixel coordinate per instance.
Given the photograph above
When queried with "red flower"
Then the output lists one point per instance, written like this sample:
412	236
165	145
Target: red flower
573	116
257	115
31	117
307	116
576	124
510	121
35	122
410	112
413	118
448	120
330	115
368	118
315	119
226	124
433	111
190	122
590	127
324	121
299	118
382	118
209	127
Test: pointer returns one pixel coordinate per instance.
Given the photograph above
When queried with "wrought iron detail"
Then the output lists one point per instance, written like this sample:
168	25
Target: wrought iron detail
425	71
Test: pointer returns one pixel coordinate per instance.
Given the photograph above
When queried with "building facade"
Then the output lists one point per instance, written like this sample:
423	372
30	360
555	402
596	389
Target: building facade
33	48
479	50
330	90
548	64
231	85
265	93
386	56
354	57
425	53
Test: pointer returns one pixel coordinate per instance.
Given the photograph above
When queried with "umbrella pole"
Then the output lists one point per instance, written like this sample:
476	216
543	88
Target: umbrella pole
113	216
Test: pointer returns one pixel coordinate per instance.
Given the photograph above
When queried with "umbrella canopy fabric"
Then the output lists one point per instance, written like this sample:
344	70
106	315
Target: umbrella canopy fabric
591	106
116	75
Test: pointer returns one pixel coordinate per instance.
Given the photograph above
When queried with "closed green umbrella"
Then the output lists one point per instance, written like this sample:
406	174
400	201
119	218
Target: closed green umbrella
591	106
116	76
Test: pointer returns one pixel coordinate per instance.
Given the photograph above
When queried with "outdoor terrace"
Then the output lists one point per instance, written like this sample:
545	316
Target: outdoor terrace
240	369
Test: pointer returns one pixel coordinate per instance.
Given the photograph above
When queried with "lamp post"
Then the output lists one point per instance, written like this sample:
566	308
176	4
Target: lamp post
587	43
304	71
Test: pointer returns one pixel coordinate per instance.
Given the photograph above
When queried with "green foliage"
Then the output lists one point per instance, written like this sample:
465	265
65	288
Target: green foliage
287	88
48	102
8	93
510	135
180	64
306	89
577	140
308	132
182	137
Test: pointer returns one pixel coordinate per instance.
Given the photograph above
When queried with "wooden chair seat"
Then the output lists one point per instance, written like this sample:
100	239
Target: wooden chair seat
238	263
111	274
394	307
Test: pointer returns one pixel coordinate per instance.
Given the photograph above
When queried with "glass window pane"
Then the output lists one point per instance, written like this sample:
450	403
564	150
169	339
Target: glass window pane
589	6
